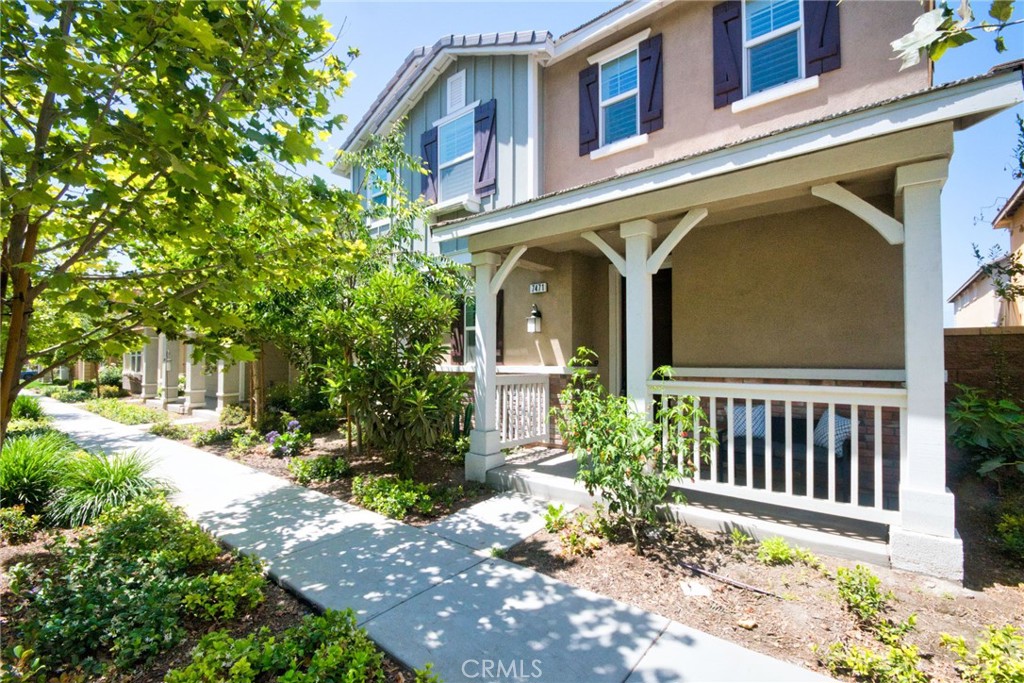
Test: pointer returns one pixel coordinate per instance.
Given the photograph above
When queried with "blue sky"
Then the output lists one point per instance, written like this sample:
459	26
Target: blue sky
979	179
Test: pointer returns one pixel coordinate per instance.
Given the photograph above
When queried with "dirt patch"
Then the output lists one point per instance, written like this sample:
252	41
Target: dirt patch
807	612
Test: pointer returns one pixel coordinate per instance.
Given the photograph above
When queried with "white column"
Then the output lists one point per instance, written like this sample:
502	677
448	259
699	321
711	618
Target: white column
639	354
926	540
195	381
171	363
150	365
484	440
227	384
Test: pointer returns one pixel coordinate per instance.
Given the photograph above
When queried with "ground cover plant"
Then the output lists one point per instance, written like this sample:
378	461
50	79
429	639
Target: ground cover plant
125	413
27	408
322	468
392	497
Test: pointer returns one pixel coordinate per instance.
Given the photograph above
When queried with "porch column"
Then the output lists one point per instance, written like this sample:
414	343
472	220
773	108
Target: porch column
639	354
484	440
171	363
195	381
227	384
926	540
150	365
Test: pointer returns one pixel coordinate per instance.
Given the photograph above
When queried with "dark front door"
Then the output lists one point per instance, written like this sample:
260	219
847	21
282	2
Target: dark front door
661	322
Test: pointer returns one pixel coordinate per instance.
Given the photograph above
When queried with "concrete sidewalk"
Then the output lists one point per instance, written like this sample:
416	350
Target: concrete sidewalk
432	594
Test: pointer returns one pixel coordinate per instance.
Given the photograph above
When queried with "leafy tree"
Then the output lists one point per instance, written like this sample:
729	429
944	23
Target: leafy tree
943	28
137	137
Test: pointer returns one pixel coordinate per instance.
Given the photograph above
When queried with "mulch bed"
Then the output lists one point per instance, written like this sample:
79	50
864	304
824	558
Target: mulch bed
809	612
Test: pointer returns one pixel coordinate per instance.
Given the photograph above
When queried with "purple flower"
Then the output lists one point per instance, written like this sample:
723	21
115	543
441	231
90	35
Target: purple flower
293	425
272	437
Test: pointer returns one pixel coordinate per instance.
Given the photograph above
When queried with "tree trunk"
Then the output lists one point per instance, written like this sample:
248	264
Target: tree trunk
259	389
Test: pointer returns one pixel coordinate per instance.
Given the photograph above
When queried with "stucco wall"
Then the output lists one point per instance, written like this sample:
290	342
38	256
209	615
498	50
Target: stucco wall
977	306
807	289
692	124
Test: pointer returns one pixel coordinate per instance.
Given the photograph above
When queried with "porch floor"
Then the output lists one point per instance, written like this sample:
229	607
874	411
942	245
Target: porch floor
548	472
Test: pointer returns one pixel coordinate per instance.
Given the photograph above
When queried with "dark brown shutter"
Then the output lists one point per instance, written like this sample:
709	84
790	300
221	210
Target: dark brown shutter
821	36
651	89
459	334
499	327
590	132
428	147
727	46
485	142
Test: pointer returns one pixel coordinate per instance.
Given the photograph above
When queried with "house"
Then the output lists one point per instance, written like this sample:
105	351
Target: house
747	192
975	302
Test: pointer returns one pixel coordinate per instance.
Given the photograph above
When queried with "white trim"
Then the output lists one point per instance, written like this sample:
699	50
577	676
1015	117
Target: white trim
620	146
775	94
533	127
834	374
503	271
620	48
509	369
464	202
683	227
614	330
602	104
987	96
887	226
455	91
622	16
797	26
618	262
448	118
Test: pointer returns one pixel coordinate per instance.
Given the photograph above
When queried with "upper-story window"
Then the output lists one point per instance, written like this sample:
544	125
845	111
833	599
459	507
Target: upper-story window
455	157
772	41
378	184
619	98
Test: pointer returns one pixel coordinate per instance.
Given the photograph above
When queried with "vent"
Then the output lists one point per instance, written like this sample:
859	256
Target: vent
456	92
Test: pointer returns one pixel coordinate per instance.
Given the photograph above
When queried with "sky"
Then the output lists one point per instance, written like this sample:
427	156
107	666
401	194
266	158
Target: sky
979	175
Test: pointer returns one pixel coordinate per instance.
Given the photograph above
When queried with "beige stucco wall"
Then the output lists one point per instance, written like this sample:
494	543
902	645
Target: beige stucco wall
977	306
807	289
869	74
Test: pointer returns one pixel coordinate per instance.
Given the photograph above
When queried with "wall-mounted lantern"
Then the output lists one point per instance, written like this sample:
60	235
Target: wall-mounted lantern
533	320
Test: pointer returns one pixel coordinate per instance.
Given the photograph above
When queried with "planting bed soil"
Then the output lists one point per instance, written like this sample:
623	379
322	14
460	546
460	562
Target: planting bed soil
808	611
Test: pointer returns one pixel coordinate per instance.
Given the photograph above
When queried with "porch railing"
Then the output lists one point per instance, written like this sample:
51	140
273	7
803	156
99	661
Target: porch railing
829	449
522	403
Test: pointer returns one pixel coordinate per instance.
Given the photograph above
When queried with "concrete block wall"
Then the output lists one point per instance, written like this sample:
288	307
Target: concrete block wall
989	358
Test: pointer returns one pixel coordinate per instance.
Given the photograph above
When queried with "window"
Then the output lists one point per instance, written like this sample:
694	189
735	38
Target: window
772	43
135	361
377	181
619	98
469	325
455	158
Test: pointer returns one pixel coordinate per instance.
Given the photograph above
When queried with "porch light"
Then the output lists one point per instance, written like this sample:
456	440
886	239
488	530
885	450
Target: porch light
533	321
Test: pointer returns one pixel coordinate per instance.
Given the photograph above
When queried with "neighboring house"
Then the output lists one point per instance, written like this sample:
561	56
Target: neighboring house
745	191
976	303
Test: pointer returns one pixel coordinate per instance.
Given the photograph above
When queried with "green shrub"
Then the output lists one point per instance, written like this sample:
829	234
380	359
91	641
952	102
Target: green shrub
319	421
775	551
60	381
582	534
93	484
320	468
290	443
232	416
72	396
84	385
329	647
170	430
223	595
125	413
621	454
998	657
31	467
16	527
244	440
391	496
205	437
29	427
49	389
900	664
110	376
26	408
1010	530
990	430
554	518
107	391
113	596
859	589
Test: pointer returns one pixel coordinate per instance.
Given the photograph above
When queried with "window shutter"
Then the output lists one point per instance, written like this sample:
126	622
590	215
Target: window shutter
589	110
821	36
428	146
499	327
727	46
459	334
485	144
651	90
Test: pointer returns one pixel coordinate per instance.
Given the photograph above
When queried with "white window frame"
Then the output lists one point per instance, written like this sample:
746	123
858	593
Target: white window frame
134	362
797	26
601	58
440	124
468	324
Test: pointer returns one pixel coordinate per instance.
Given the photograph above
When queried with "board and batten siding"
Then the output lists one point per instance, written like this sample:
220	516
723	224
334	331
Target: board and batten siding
502	78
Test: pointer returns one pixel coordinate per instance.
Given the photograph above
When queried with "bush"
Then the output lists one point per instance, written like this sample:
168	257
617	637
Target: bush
107	391
222	595
60	381
125	413
244	440
859	589
84	385
171	430
289	444
232	416
26	408
329	647
998	658
320	421
93	484
554	518
391	496
16	527
990	430
49	389
110	376
321	468
71	396
622	454
205	437
31	467
1010	530
900	664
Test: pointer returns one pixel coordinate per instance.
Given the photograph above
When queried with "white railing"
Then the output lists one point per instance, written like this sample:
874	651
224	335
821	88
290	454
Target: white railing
784	464
522	404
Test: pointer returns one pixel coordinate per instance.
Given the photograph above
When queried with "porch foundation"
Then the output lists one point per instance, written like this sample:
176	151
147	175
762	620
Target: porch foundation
927	554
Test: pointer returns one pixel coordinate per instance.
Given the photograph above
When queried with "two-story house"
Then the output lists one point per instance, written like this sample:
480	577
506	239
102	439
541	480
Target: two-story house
747	192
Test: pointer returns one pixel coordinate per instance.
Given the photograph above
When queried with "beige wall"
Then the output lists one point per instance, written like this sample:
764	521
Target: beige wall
869	74
807	289
977	305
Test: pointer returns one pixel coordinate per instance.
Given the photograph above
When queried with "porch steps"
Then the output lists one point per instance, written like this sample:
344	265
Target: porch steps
549	473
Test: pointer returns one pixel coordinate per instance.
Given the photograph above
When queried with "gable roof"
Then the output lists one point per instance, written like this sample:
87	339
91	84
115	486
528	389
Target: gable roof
1010	209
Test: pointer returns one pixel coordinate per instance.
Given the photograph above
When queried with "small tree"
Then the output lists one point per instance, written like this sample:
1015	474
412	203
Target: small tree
942	28
622	455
